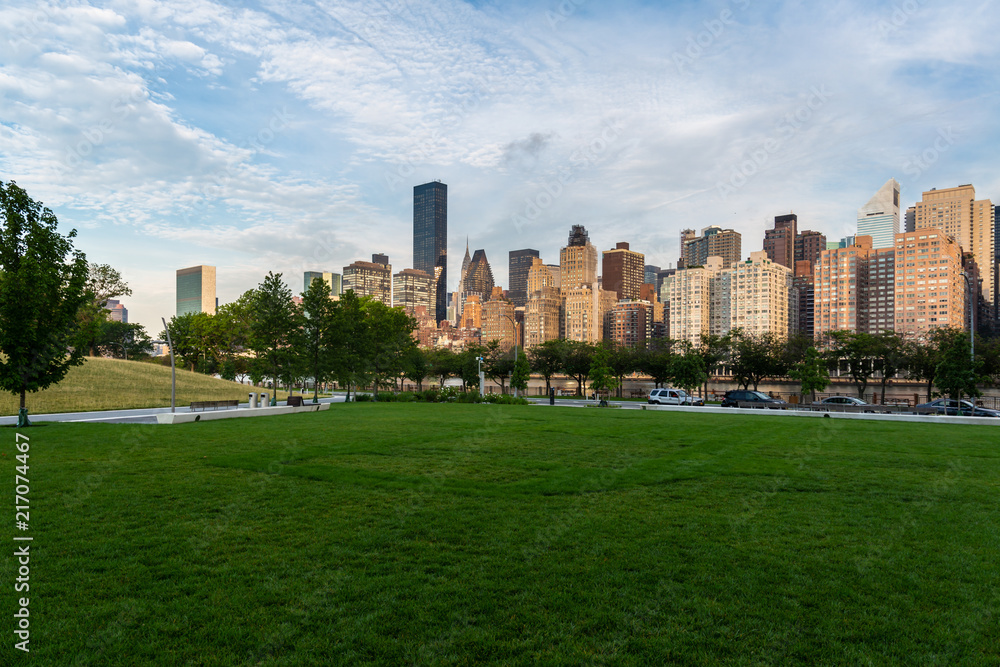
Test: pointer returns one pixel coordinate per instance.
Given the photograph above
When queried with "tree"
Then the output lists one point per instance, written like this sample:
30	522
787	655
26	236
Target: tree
184	338
468	366
576	363
889	355
273	330
124	339
857	349
497	363
688	369
811	372
522	372
317	333
103	283
42	288
602	378
622	360
657	360
547	359
390	332
755	357
416	366
957	372
351	350
713	350
443	363
922	360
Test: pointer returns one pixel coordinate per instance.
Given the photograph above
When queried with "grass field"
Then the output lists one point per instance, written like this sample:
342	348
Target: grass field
451	534
113	384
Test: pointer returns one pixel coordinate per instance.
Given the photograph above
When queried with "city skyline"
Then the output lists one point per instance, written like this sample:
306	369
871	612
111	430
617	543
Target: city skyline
256	139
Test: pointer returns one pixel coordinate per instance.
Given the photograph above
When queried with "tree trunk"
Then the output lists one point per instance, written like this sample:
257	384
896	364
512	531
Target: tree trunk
22	398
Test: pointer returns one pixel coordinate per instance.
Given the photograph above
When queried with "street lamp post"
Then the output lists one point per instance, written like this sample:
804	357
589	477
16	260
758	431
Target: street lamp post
482	391
173	369
122	346
514	325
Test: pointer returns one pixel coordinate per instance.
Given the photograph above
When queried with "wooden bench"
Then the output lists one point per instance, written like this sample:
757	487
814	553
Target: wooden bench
294	401
214	405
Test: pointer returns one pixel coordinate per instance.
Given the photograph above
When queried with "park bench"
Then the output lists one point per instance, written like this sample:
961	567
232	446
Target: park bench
294	401
214	405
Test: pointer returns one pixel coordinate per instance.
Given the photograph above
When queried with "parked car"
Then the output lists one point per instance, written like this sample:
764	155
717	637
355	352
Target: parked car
949	406
733	398
843	400
673	397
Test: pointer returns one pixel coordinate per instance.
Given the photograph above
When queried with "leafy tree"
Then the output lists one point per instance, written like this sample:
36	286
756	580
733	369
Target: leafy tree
185	338
42	288
576	363
469	366
602	378
622	360
755	357
857	349
688	369
124	339
657	361
497	363
391	338
713	350
890	356
522	372
957	372
547	359
416	366
352	348
103	283
318	334
274	329
922	359
442	364
811	372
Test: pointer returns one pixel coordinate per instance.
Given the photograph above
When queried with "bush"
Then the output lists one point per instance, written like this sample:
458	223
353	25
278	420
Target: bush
430	395
505	399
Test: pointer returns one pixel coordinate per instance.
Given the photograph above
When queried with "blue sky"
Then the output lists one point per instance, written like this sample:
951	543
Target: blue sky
287	136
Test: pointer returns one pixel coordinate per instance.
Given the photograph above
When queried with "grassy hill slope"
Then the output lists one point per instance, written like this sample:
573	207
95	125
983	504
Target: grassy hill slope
113	384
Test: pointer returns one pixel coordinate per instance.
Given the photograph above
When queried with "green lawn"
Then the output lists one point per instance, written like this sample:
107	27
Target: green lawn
473	534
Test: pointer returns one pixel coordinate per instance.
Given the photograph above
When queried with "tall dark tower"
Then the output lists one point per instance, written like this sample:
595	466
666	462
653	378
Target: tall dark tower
519	263
430	238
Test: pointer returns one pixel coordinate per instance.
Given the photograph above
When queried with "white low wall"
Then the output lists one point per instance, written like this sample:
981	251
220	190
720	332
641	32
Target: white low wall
924	419
185	417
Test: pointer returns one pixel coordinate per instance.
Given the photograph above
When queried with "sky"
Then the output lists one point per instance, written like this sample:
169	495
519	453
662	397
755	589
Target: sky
287	136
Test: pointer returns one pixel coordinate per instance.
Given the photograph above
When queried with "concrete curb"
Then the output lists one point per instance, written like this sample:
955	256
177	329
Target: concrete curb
186	417
923	419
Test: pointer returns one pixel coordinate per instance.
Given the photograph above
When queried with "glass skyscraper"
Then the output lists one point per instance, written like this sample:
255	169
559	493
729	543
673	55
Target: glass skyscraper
430	238
196	290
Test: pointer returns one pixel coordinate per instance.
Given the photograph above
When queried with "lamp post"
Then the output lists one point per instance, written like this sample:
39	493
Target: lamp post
513	324
481	378
972	316
173	369
122	346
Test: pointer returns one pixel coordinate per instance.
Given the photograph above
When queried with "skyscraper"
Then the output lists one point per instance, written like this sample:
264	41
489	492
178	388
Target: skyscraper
779	243
332	281
196	290
369	279
519	263
478	279
969	221
430	238
714	241
879	218
578	260
623	271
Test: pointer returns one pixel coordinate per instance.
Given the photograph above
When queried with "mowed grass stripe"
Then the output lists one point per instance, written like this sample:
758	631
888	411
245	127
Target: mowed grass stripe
513	535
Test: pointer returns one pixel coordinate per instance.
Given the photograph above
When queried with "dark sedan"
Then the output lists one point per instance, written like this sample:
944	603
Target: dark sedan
949	406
